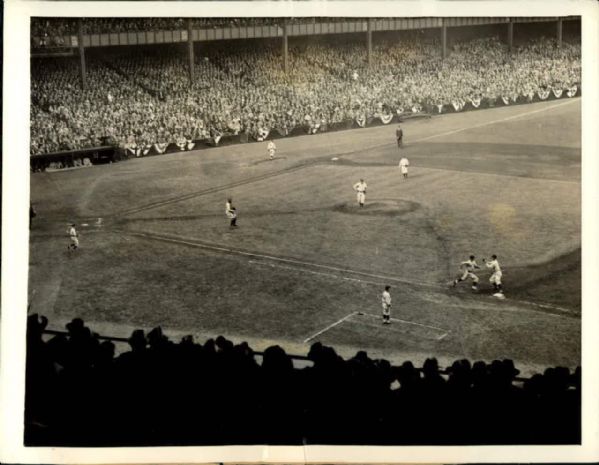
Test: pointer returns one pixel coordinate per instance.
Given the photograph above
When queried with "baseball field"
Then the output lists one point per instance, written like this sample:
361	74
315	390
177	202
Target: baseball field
307	264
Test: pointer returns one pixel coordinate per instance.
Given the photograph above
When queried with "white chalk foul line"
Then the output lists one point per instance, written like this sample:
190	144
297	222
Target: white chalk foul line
388	328
332	325
548	306
500	175
444	331
488	123
436	328
372	315
564	311
283	260
319	273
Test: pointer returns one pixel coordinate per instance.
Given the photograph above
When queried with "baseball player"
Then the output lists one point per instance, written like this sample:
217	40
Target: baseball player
467	269
231	213
399	136
403	166
386	302
360	188
72	232
271	148
32	214
495	278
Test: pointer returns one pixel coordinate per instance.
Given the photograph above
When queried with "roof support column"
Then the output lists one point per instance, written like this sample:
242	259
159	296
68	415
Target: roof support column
190	54
369	41
285	44
82	71
443	38
560	30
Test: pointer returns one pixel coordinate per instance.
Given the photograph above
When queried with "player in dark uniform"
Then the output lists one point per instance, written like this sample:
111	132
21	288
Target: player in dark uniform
399	136
32	214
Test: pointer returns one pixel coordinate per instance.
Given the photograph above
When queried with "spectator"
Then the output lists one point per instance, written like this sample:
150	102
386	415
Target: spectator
164	393
145	101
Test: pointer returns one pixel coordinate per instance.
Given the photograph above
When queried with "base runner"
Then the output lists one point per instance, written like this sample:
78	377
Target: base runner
467	267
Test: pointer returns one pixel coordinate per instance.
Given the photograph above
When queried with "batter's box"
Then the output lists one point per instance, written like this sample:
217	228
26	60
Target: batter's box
400	326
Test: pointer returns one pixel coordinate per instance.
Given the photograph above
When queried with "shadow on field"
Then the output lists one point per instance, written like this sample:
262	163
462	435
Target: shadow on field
557	281
267	160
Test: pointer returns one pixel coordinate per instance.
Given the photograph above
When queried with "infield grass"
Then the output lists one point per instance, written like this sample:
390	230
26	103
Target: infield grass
305	255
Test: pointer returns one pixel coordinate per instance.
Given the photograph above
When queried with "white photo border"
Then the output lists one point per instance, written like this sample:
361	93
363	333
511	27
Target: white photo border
15	235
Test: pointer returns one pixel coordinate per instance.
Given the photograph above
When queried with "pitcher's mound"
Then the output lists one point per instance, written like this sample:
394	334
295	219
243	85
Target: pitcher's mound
378	207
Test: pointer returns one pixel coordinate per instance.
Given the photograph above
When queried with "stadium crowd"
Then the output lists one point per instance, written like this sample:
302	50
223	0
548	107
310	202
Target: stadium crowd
145	100
159	392
52	29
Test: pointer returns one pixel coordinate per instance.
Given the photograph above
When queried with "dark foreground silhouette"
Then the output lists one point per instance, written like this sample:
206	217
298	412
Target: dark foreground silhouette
78	393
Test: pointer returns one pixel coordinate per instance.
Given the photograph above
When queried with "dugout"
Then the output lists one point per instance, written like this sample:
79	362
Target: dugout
71	159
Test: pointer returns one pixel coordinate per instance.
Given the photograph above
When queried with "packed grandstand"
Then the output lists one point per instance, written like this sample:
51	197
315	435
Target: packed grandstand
140	99
47	31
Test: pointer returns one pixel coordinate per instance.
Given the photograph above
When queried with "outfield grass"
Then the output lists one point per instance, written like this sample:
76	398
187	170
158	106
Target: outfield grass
305	255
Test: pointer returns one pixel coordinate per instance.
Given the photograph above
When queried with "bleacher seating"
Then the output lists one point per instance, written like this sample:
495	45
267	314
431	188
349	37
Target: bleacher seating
144	99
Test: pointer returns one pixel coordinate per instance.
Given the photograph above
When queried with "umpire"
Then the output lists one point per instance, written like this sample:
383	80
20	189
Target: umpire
399	136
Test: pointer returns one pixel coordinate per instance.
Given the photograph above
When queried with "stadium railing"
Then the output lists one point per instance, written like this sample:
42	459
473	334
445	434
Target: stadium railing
299	361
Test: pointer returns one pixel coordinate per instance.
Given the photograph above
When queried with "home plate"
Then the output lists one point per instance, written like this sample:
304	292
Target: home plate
85	224
405	327
499	295
335	158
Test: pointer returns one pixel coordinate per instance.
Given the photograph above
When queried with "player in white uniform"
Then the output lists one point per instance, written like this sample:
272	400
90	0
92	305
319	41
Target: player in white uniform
386	302
495	278
403	166
360	188
231	212
72	232
467	269
271	148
